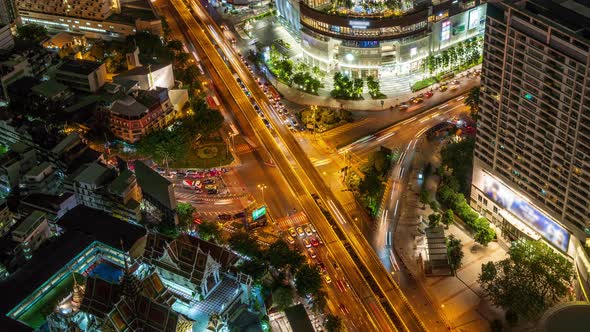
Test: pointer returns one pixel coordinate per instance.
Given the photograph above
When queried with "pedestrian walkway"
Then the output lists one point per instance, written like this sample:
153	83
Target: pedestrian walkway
294	220
243	148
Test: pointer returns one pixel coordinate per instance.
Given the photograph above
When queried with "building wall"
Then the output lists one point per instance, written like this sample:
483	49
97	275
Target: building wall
6	39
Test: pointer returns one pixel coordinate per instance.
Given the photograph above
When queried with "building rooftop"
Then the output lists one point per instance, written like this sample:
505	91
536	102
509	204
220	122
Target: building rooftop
49	89
38	169
571	316
30	223
44	201
83	226
94	173
128	106
298	319
142	70
80	67
153	184
573	15
120	184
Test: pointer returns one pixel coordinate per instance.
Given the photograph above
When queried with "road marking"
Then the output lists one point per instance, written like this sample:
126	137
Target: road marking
414	146
385	136
395	210
401	174
339	216
443	106
460	98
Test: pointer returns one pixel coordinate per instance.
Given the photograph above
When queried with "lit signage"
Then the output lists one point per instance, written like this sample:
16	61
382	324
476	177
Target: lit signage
445	33
523	210
473	19
258	213
359	24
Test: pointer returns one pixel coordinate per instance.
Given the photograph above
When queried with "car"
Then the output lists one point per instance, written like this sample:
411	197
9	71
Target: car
290	239
322	267
327	279
224	217
308	230
212	191
417	100
454	87
306	243
266	123
256	108
210	187
292	232
314	242
180	175
240	215
311	227
403	106
311	253
300	231
456	82
209	181
428	94
443	88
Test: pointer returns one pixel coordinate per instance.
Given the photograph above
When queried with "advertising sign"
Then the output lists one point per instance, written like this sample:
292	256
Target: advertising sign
445	33
473	19
359	24
258	213
512	202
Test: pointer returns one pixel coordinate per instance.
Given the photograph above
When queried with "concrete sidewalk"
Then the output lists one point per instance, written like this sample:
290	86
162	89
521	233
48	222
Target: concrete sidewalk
368	104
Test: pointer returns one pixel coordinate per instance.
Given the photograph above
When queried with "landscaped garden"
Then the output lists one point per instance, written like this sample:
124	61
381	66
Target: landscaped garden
322	119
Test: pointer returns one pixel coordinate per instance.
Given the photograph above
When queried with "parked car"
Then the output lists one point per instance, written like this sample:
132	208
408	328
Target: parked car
327	278
314	242
428	94
311	253
224	217
240	215
403	106
209	181
306	243
308	230
311	227
292	232
443	88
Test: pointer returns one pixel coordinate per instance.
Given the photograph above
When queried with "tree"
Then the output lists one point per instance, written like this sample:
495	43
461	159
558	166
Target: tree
282	297
185	213
209	230
434	220
472	101
255	268
320	301
484	234
530	281
308	280
31	32
448	217
244	244
455	252
424	197
281	256
333	323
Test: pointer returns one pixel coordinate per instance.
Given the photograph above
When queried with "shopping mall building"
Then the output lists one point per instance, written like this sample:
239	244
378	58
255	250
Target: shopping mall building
366	39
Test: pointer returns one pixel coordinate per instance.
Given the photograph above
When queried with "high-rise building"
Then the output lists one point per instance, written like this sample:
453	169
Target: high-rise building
531	172
7	11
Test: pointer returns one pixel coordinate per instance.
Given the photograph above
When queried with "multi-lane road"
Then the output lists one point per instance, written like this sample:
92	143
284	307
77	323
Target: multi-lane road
380	300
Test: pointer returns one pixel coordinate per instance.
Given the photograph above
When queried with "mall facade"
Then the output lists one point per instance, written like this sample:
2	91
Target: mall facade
362	40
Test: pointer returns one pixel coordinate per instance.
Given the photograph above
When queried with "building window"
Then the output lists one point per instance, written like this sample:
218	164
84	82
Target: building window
495	209
479	198
485	202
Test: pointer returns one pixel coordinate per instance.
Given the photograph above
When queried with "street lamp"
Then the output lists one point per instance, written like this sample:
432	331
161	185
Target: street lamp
262	187
231	137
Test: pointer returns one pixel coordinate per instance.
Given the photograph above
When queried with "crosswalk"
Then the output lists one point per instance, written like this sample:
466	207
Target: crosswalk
243	148
211	215
294	220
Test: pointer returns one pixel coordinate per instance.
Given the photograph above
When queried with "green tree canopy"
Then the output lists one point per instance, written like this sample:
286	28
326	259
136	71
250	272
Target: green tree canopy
244	244
210	230
31	32
448	217
434	220
282	297
455	252
308	280
281	256
185	213
333	323
530	281
472	101
255	268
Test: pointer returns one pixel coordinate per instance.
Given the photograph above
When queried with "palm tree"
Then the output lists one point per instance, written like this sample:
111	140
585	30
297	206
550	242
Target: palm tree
472	101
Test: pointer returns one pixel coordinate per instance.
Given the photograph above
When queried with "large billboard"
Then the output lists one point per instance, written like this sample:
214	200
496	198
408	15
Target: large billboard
445	33
473	19
530	215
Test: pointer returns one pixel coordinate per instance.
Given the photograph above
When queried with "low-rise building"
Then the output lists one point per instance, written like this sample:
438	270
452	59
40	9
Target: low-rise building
6	219
132	117
31	233
14	164
83	75
150	76
12	68
158	195
99	187
41	179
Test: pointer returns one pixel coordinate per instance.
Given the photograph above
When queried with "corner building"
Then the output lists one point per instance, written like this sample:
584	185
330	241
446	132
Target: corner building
531	172
363	40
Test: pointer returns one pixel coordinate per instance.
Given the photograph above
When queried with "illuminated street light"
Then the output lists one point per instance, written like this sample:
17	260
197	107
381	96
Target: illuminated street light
262	187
